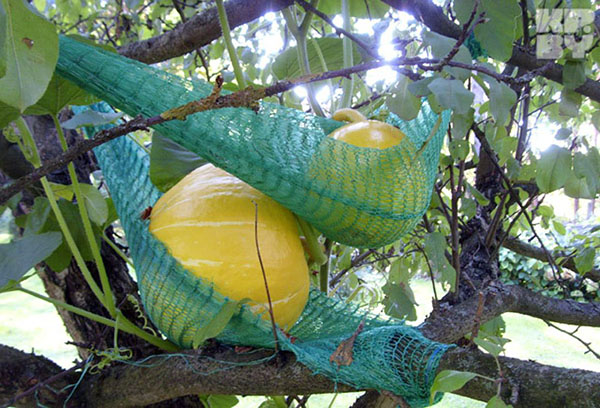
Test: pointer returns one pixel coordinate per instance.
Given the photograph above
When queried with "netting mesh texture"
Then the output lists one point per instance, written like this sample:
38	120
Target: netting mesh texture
357	196
388	355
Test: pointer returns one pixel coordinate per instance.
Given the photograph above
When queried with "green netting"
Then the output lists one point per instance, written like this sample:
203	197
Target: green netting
388	355
357	196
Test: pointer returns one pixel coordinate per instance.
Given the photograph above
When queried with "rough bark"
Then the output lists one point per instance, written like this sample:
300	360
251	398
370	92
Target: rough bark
217	372
449	324
525	383
199	30
69	285
532	251
20	371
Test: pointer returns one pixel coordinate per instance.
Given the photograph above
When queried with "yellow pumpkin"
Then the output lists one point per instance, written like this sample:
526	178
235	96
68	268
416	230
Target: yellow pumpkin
355	173
365	133
207	222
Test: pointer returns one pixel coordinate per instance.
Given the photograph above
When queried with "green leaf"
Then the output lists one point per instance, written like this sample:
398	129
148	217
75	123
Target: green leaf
584	167
452	94
94	203
495	327
459	149
112	213
286	65
559	227
496	402
481	199
17	257
573	74
584	260
563	133
462	123
279	401
358	8
401	101
576	187
62	190
595	116
489	346
7	114
441	47
3	42
435	248
502	99
448	381
38	216
500	30
169	162
91	118
217	324
59	94
399	301
553	169
32	52
61	257
570	101
222	401
420	88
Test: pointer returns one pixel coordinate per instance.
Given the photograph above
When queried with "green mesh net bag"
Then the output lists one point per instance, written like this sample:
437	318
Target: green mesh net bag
387	354
358	196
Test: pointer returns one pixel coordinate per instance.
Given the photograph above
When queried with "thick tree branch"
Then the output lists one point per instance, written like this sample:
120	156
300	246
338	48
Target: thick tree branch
452	323
435	19
19	371
532	251
525	383
199	30
222	372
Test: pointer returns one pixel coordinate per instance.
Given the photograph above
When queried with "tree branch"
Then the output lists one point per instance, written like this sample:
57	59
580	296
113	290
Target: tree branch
199	30
20	371
532	251
435	19
526	383
222	372
452	323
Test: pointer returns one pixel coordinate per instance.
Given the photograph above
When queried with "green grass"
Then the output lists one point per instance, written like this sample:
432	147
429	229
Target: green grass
30	324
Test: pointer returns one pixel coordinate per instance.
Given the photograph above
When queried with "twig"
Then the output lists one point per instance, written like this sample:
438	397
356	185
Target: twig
44	383
572	334
244	97
324	268
461	39
340	31
511	225
495	221
478	313
355	262
262	268
515	196
422	250
240	98
367	101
